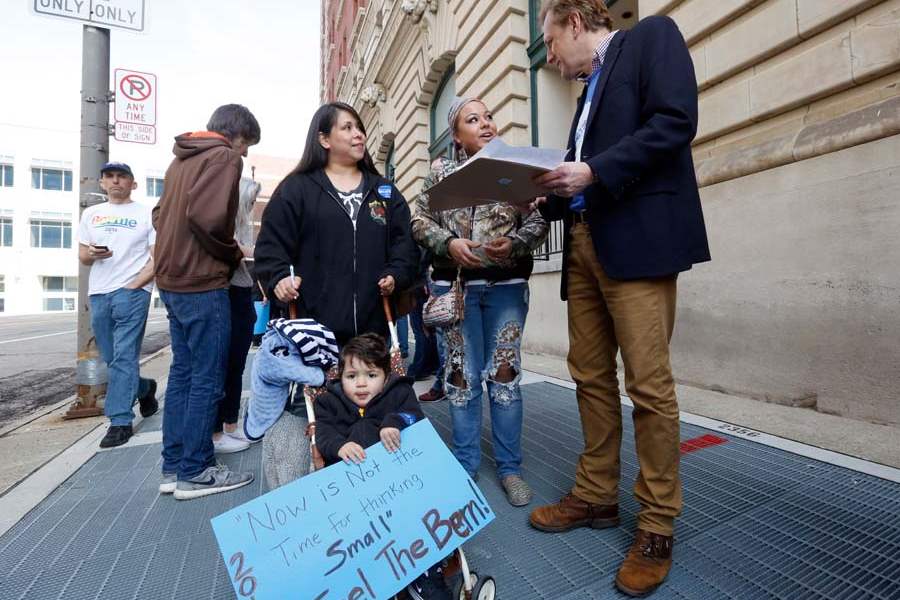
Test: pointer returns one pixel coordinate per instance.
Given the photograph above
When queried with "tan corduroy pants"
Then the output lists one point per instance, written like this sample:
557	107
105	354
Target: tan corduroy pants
636	317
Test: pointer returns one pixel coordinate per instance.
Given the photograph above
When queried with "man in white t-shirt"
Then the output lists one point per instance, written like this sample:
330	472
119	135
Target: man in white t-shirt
116	240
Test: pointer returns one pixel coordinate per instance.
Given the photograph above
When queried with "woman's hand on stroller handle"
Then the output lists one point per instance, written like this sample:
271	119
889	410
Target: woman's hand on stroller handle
286	289
386	285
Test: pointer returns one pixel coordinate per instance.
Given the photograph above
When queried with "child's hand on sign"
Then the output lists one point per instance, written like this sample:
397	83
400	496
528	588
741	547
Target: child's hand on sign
352	452
390	437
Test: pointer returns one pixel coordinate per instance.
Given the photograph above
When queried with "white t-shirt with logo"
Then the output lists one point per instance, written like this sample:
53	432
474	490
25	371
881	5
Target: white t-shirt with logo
127	230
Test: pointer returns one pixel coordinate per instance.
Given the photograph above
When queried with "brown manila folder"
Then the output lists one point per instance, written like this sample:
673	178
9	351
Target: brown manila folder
497	173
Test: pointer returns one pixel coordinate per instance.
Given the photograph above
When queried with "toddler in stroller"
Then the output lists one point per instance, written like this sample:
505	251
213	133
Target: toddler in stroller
368	404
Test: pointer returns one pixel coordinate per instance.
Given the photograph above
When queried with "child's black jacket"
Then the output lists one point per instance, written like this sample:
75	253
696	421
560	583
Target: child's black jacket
338	419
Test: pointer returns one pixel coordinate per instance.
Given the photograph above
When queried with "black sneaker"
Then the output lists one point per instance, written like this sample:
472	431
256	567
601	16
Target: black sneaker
116	435
430	585
147	402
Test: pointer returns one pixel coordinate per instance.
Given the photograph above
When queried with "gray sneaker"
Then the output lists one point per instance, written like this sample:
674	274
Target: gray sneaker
214	479
517	491
167	485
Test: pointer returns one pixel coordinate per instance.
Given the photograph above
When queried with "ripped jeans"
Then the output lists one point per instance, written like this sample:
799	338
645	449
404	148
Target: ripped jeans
486	348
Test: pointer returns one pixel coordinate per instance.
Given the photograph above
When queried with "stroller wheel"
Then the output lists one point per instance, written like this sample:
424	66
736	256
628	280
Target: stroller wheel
485	589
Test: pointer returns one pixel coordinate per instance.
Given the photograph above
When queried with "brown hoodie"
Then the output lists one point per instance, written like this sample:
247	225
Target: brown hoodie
194	218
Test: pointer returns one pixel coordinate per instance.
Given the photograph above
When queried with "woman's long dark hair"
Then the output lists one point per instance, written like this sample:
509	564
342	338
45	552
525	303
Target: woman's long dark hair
314	155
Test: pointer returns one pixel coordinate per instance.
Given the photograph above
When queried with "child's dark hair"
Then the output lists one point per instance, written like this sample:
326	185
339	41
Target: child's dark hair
371	349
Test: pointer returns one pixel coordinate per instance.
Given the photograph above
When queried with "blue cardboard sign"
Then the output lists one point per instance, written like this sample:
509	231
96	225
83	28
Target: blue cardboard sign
354	531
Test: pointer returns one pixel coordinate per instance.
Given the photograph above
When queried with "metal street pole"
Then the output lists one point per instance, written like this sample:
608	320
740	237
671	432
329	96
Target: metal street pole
90	373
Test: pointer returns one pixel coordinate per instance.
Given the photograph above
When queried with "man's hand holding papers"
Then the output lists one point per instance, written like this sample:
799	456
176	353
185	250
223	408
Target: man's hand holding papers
567	179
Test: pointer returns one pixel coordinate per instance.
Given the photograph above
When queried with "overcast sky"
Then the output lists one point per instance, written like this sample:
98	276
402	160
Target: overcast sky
260	53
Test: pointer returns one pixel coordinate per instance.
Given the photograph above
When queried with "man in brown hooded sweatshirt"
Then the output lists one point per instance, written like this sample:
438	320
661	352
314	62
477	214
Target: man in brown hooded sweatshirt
195	256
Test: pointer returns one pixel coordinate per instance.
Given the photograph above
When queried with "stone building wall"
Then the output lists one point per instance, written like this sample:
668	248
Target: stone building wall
797	155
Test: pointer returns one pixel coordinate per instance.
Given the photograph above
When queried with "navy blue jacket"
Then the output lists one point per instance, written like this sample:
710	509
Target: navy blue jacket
644	211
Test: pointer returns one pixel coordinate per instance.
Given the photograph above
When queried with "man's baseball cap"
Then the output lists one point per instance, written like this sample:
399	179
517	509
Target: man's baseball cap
117	166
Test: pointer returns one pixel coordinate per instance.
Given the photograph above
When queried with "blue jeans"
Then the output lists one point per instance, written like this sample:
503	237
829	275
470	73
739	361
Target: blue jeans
424	360
243	317
200	328
403	334
441	351
118	319
486	348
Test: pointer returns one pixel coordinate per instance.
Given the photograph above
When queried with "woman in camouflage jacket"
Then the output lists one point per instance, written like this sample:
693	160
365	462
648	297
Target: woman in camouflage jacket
492	246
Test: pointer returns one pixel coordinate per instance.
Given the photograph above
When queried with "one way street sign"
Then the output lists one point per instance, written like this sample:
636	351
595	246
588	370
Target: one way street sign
120	14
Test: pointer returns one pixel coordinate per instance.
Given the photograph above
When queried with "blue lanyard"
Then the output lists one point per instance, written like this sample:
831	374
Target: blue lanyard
577	203
592	87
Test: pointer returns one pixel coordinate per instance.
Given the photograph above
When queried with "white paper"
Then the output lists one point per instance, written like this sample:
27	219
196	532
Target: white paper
497	173
542	158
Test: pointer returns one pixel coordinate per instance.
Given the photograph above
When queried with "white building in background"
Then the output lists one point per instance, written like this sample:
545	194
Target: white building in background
39	172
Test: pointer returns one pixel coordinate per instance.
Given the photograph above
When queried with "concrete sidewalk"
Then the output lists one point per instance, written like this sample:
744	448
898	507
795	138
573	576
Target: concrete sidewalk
759	521
816	521
859	439
41	437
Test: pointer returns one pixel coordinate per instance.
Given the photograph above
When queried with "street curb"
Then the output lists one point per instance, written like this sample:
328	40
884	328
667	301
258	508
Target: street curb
49	409
31	490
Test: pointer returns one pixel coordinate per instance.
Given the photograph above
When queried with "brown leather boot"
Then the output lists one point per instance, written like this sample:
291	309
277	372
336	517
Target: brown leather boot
571	512
646	564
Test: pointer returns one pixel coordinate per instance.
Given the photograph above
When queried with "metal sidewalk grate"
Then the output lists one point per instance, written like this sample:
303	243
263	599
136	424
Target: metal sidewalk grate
758	523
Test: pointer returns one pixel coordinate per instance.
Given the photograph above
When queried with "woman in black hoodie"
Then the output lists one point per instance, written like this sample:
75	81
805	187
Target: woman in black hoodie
343	227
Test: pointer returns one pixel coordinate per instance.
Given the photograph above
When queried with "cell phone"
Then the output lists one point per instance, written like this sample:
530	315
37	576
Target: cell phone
103	248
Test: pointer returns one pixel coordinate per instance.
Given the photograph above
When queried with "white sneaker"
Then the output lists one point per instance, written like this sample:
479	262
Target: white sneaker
227	444
168	483
238	434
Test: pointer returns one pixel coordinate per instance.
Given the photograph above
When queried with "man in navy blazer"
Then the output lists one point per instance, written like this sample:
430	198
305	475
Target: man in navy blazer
628	197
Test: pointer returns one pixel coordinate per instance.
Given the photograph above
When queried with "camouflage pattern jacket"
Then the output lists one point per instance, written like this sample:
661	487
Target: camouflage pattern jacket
434	231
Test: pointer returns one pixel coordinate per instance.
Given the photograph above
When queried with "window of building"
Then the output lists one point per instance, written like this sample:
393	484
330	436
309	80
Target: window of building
6	231
58	283
47	233
2	293
389	167
59	180
441	140
59	304
154	187
59	292
6	175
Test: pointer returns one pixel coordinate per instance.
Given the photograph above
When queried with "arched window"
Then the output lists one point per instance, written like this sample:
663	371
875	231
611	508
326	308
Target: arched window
441	140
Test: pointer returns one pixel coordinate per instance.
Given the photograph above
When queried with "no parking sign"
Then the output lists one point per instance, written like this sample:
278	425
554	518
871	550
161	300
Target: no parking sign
135	106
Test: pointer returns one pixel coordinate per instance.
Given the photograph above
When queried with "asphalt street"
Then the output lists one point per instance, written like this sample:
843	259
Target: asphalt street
37	359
